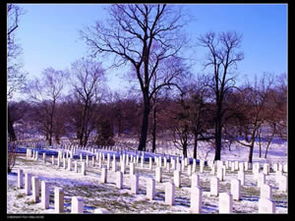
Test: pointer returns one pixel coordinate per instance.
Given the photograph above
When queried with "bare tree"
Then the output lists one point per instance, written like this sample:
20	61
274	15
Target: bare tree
15	78
199	113
46	92
87	89
251	113
143	35
181	129
222	57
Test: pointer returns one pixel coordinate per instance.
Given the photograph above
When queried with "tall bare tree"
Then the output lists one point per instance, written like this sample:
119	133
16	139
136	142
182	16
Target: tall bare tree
251	113
142	35
87	89
46	92
15	77
222	58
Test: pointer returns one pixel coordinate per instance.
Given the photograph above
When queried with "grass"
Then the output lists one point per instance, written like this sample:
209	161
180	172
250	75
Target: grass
20	195
30	202
250	191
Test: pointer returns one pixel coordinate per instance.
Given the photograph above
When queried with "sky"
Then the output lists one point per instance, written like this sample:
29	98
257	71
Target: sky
49	35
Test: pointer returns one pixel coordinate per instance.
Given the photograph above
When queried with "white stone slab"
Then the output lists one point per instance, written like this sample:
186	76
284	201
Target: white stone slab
35	189
235	189
28	184
214	186
266	206
196	200
58	200
20	178
150	188
169	193
225	203
44	195
77	205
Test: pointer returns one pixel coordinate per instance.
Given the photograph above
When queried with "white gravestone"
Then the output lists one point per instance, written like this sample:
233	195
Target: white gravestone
119	179
194	167
150	163
176	178
28	183
266	206
266	168
260	179
64	163
44	157
150	188
104	174
235	189
202	166
214	186
241	166
69	164
220	173
169	193
225	203
58	200
168	167
114	165
159	174
134	183
196	200
265	192
44	195
195	180
35	189
83	168
241	177
58	162
131	169
76	166
77	205
283	183
285	168
142	162
20	178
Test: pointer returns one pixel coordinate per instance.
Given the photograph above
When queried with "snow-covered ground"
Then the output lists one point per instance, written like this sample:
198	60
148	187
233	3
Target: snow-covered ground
97	195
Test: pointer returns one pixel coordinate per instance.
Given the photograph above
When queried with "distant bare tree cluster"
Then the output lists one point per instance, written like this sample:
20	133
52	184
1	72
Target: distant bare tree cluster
170	101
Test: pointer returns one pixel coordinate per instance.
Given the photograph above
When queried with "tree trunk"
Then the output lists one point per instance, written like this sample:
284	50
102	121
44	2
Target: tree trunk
269	141
259	137
184	149
11	132
195	145
144	127
218	132
218	137
251	153
154	129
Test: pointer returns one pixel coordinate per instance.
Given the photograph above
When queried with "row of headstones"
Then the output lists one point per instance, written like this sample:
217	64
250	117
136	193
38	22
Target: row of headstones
245	166
177	167
234	165
265	203
258	175
134	180
31	185
282	180
125	159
